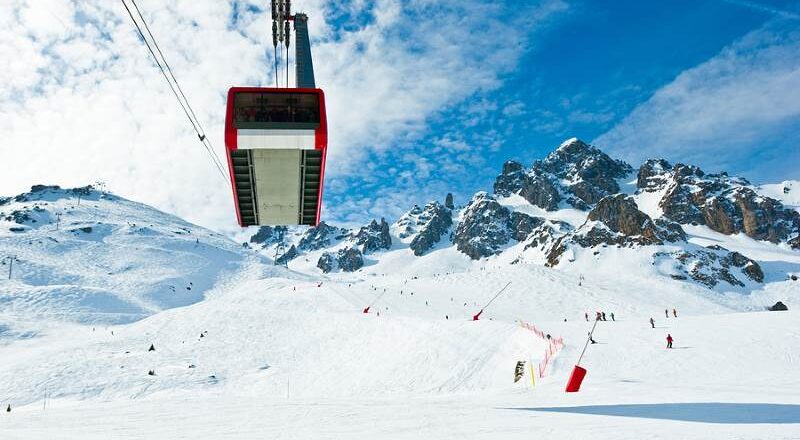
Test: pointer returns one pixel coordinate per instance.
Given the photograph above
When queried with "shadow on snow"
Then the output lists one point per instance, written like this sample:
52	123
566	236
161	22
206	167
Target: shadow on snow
705	412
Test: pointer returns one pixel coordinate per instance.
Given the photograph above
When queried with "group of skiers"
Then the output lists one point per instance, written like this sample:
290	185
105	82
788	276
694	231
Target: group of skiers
666	314
599	316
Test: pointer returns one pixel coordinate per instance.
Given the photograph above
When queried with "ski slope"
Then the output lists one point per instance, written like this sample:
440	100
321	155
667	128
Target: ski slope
283	358
257	350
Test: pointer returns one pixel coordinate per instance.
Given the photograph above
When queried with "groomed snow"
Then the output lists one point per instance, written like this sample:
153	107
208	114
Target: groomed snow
259	351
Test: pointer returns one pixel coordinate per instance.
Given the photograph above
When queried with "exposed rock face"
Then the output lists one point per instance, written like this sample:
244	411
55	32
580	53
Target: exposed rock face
725	204
652	174
373	237
487	226
545	235
350	259
437	221
593	172
669	230
540	191
778	307
534	187
711	266
616	220
448	201
575	172
320	236
620	214
409	223
347	259
510	180
288	256
327	262
267	235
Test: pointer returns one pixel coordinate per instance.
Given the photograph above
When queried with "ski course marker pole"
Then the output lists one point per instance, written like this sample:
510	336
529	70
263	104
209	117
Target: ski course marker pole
478	315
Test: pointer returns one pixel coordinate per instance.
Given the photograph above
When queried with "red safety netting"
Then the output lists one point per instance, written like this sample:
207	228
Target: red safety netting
554	345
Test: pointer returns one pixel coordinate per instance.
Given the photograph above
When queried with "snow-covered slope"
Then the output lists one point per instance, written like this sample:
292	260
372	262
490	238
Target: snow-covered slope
245	348
90	256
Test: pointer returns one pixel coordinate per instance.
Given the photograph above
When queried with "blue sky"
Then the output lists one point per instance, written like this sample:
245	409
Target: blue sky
589	68
424	97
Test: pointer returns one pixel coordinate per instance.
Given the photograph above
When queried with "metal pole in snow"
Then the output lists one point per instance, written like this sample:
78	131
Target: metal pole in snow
587	341
475	318
11	260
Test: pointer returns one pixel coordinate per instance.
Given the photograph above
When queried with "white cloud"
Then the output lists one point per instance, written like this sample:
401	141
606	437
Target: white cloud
81	100
726	111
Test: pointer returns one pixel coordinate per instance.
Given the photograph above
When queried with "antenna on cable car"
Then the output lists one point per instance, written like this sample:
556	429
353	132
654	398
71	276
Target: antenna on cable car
288	35
281	32
275	38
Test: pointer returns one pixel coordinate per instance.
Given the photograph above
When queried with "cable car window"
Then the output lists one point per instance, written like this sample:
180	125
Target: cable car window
276	110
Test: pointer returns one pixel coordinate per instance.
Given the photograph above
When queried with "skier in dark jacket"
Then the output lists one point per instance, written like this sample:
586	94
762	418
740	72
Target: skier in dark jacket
669	340
652	322
666	313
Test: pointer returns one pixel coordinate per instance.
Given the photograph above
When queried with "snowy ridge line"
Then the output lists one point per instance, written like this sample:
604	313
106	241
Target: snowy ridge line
554	345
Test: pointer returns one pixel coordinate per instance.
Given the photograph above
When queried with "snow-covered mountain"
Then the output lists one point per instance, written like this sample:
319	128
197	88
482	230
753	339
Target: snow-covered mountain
97	280
573	207
91	256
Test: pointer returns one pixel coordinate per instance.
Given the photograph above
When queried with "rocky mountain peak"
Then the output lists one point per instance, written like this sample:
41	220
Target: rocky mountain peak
576	172
724	203
321	236
373	237
267	235
487	226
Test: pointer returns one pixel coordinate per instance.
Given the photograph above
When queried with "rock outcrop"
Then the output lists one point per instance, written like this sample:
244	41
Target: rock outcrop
267	235
373	237
711	266
576	172
436	220
725	204
288	256
347	260
778	307
616	221
321	236
448	201
486	227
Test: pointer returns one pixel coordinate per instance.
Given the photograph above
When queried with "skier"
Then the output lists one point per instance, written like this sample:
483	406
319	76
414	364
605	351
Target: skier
612	316
604	316
666	313
674	313
652	322
8	409
669	340
586	315
590	338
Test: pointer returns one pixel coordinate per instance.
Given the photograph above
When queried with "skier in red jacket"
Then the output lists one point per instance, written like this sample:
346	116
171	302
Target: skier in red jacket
669	340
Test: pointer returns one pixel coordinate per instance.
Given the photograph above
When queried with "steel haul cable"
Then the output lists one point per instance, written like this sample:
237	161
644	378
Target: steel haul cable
187	110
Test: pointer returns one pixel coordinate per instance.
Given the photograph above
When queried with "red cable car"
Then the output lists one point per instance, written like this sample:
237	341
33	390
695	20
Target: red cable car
276	140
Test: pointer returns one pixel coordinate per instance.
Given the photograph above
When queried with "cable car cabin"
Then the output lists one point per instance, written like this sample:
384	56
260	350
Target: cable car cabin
276	139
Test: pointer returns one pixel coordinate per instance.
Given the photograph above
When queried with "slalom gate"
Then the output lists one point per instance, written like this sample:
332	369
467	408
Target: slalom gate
554	345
